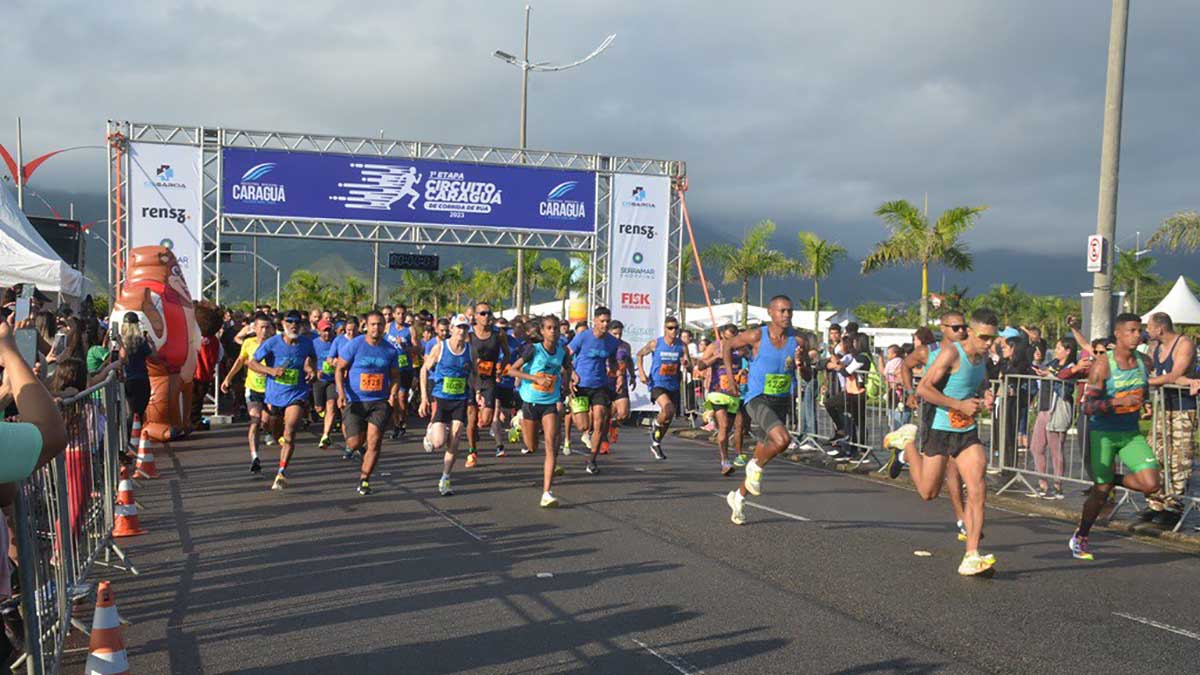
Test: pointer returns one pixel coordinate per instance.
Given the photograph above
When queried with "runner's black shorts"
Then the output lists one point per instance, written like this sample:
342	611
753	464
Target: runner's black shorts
602	396
488	394
406	379
509	398
359	414
622	395
279	410
449	410
659	391
259	397
536	411
949	443
322	392
926	413
767	412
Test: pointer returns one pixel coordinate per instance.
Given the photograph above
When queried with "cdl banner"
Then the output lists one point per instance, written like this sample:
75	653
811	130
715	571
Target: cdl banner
164	203
638	262
279	184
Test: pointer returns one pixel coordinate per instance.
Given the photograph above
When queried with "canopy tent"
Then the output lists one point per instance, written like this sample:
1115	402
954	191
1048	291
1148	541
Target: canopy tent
1180	304
28	259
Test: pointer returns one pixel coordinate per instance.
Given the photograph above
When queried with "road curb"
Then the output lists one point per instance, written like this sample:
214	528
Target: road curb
1179	540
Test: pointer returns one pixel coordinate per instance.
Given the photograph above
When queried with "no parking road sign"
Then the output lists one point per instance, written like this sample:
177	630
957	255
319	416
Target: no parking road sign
1096	253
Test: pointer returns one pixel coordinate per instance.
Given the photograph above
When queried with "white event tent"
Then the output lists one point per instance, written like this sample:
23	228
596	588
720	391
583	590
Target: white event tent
1180	304
27	258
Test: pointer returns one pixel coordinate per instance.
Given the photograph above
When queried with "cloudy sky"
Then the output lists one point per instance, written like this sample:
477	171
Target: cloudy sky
809	113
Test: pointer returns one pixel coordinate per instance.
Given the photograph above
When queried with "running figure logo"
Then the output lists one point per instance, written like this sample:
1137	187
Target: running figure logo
381	187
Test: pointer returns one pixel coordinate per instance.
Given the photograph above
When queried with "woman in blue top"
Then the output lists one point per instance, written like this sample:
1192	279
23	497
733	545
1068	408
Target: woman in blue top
669	360
541	369
288	361
448	364
953	383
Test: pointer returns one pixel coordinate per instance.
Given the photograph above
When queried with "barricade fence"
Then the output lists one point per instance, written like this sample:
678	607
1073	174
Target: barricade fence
64	522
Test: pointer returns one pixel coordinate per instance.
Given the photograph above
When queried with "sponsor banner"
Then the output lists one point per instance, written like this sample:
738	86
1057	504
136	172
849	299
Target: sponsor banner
638	262
164	204
303	185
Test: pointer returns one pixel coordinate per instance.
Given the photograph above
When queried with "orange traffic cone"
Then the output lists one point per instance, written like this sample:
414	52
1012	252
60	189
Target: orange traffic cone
125	521
145	458
135	433
106	649
125	489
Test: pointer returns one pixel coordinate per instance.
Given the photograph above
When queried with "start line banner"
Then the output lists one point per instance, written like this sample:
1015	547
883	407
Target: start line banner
638	263
314	186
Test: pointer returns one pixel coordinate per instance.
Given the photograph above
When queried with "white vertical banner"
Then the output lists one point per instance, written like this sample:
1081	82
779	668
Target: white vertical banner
164	204
638	262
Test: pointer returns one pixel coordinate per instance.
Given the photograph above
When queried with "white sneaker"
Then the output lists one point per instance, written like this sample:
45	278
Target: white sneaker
587	440
735	500
973	563
753	480
566	449
427	444
549	501
280	482
444	487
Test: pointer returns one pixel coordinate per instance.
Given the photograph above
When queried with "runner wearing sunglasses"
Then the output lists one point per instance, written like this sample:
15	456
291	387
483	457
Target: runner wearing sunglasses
669	360
489	353
289	362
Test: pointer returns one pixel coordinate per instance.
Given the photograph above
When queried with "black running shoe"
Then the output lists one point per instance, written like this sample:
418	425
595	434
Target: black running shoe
255	467
895	466
592	468
364	488
657	451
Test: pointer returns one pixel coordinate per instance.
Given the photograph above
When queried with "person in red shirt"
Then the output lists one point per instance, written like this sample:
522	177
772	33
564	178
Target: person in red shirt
208	317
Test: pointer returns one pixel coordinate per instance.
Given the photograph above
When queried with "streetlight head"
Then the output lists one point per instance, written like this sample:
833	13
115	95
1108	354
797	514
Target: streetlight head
506	57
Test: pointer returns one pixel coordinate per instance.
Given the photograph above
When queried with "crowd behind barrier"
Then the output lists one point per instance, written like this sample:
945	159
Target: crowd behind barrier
64	515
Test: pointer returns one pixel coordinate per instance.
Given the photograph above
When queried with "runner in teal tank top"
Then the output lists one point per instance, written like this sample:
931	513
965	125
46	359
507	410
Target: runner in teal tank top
1116	389
776	352
541	369
956	384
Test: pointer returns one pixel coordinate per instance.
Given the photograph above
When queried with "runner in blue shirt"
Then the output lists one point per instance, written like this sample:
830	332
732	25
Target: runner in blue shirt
349	331
401	336
592	353
324	390
288	361
444	392
542	367
368	380
669	360
441	334
507	400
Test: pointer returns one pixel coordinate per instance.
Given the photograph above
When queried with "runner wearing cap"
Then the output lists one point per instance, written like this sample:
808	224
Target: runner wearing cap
668	362
542	367
489	353
256	386
440	335
368	380
288	362
592	353
324	390
444	386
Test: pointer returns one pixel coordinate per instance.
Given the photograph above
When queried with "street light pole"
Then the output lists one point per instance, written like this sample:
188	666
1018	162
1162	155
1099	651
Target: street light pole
20	177
1110	159
526	66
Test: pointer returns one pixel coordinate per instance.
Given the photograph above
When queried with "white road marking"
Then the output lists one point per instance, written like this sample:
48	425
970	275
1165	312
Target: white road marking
1156	624
768	509
679	664
455	522
545	575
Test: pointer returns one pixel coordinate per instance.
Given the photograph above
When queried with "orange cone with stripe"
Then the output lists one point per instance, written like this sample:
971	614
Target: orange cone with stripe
125	516
145	458
125	489
135	433
106	649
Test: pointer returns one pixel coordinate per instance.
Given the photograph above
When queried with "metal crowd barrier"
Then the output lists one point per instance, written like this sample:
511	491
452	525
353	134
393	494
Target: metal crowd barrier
1173	437
64	522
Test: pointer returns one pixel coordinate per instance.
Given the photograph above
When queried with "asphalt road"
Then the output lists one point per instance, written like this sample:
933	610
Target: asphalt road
639	571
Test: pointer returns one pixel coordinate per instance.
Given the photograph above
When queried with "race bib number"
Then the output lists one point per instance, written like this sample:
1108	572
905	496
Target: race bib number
327	367
256	381
370	382
454	385
959	420
668	369
777	384
486	368
289	377
547	388
402	360
726	383
1132	407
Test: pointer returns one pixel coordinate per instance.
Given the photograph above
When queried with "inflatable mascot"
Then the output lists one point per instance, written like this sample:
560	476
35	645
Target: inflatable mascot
155	290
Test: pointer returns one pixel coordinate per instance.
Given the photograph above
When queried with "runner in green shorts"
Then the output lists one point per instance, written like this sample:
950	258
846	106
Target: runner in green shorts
1116	388
726	407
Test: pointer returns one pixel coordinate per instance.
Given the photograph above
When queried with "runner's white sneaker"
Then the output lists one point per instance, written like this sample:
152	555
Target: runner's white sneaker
753	480
444	487
973	563
735	500
280	482
549	501
427	444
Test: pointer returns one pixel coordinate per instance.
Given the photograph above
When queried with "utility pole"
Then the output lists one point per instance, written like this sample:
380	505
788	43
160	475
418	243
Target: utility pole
254	271
524	126
1110	160
20	177
375	271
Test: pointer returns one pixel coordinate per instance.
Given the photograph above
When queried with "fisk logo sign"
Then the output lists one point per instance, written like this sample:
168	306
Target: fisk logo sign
635	299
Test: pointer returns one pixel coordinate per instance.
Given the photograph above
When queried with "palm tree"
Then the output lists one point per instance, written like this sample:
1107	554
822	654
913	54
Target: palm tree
355	295
305	289
1131	272
489	287
817	257
752	258
1006	301
564	278
914	242
532	278
1180	232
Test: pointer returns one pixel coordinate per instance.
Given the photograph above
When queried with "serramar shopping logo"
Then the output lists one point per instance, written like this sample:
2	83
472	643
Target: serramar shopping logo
556	204
164	177
638	258
251	190
637	199
636	270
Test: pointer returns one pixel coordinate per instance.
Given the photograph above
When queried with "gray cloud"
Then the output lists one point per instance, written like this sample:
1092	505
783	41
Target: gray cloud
808	113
